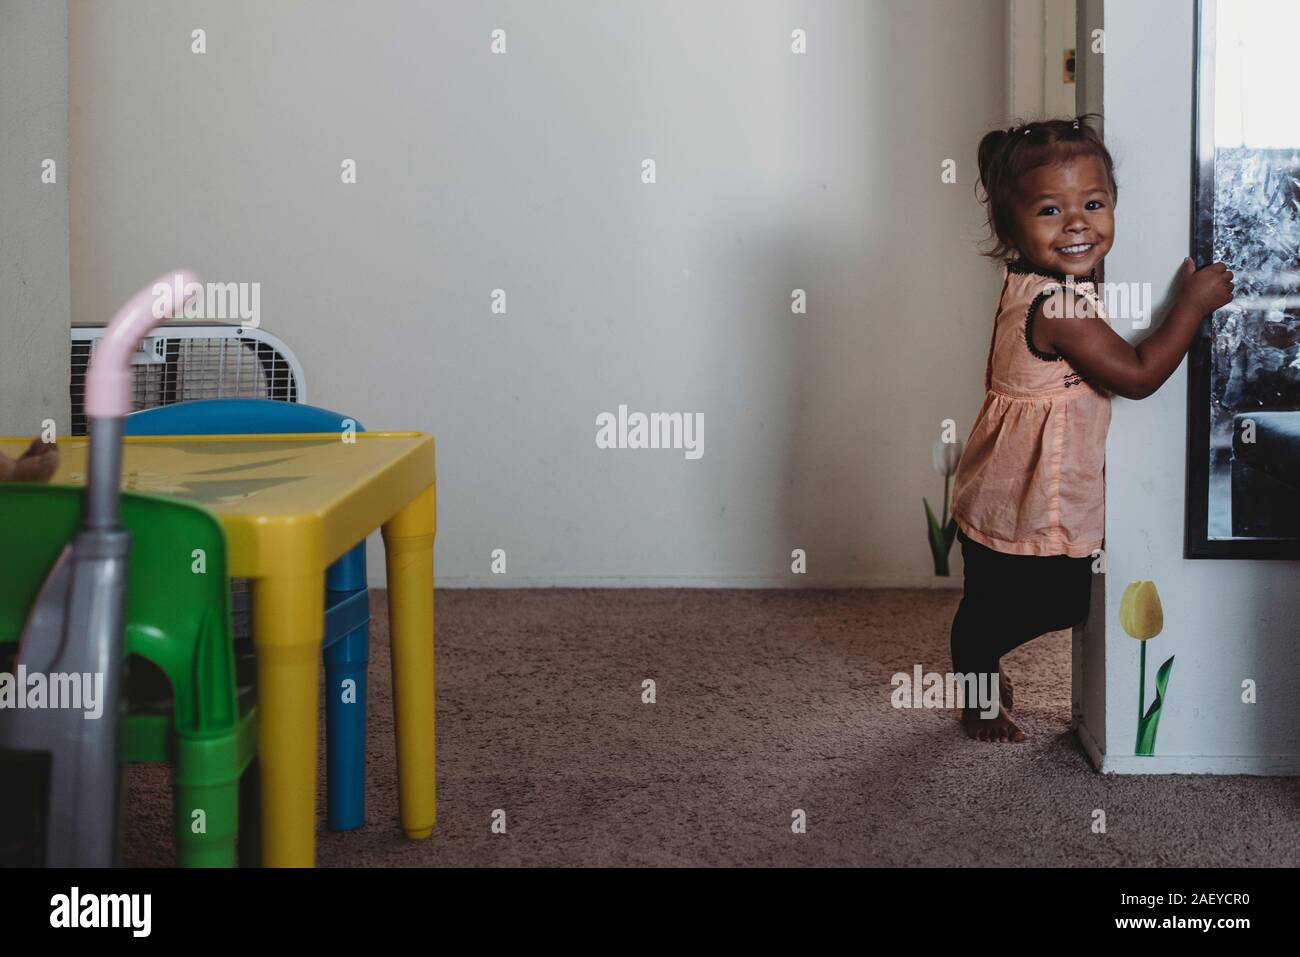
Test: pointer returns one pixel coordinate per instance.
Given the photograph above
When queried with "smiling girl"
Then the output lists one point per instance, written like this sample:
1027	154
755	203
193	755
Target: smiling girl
1029	492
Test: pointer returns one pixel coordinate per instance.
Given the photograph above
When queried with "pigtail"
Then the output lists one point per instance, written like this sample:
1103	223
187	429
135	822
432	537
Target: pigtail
990	147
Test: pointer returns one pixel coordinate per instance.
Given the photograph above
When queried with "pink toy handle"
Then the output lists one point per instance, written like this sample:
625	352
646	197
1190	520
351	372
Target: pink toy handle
108	382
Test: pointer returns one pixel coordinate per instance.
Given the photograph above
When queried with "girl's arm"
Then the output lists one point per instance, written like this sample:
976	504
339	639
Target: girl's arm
1134	372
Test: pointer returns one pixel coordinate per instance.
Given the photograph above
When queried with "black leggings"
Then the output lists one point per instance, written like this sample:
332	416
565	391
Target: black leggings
1012	599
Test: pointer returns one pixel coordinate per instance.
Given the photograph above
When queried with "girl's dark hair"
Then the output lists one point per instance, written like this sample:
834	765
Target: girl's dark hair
1005	156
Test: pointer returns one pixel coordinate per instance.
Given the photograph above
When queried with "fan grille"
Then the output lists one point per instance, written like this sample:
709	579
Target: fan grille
194	367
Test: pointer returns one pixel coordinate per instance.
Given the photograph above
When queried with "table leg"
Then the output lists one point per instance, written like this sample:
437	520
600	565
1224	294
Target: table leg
408	545
288	624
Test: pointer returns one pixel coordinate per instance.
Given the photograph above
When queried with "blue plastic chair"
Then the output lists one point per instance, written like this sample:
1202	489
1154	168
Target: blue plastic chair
347	604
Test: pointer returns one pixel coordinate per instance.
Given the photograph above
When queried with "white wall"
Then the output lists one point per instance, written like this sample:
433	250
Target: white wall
521	172
34	363
1225	621
1088	661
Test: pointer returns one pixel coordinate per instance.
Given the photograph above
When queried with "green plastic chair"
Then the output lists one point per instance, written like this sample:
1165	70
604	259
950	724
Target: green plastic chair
203	720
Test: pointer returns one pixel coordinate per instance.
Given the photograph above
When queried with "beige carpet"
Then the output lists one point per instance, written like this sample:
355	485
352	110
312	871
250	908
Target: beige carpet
767	702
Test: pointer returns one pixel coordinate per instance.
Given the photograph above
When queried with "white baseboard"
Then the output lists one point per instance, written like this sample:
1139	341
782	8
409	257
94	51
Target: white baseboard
1263	765
784	582
1090	746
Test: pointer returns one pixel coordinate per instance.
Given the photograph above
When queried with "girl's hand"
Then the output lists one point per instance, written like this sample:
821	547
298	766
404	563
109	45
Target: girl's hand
1207	289
37	464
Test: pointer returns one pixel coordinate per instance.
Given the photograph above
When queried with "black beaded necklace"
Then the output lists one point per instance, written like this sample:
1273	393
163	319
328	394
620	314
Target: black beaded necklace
1025	267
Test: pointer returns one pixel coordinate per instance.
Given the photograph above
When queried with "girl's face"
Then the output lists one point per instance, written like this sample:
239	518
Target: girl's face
1065	218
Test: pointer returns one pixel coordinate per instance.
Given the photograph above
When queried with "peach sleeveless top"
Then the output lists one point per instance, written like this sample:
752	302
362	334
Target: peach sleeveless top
1031	480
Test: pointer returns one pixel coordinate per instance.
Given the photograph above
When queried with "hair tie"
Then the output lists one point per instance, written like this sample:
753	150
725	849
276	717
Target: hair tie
1076	122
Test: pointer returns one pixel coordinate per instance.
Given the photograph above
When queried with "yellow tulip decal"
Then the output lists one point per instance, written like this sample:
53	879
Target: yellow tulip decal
1142	617
1139	611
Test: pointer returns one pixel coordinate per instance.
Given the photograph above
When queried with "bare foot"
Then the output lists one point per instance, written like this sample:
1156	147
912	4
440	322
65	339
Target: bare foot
1000	729
37	464
1006	689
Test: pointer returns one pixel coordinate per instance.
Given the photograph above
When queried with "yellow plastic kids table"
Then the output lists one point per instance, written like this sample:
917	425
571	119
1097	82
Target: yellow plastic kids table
290	505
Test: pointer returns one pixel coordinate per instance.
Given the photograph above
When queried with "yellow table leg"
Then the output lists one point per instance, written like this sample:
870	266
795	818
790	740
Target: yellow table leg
408	545
288	625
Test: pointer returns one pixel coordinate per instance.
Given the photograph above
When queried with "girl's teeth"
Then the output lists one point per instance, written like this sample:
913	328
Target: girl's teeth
1072	250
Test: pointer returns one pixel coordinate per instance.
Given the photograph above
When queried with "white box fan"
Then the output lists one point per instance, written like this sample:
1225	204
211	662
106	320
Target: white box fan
194	360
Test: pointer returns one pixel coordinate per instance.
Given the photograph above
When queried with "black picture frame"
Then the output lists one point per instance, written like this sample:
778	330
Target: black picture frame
1197	542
